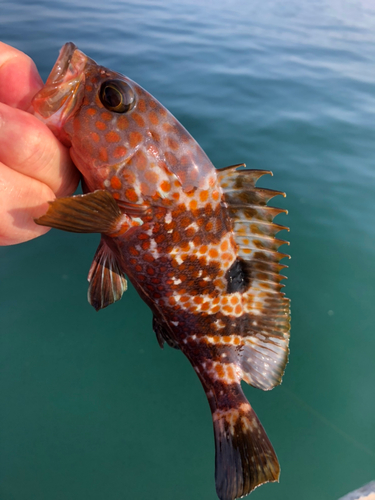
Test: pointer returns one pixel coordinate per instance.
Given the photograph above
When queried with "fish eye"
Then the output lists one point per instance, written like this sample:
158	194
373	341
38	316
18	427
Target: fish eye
117	96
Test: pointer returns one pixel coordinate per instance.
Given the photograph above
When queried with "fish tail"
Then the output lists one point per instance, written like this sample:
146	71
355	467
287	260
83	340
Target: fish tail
245	457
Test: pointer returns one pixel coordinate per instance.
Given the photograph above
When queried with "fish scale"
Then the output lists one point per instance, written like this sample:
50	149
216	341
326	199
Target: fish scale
198	245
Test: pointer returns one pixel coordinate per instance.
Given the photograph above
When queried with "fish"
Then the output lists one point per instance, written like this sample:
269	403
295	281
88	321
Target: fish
198	243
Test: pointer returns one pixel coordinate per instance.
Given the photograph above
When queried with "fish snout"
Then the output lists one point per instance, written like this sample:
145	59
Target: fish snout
63	92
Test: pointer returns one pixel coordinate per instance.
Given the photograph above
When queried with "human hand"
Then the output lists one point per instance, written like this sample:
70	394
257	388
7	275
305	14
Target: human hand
34	166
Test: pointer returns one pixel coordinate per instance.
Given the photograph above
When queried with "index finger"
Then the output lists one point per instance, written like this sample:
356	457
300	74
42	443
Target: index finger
19	78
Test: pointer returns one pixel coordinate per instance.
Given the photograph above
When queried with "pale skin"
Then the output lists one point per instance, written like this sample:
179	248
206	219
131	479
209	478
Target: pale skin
34	166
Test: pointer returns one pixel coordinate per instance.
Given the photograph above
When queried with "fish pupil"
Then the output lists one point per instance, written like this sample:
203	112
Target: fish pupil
112	96
117	96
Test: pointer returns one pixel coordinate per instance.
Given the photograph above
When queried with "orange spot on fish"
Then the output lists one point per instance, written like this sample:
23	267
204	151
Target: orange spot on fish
153	117
152	104
122	122
211	181
193	205
226	256
203	249
89	88
172	143
185	160
215	309
160	238
213	253
133	251
119	152
176	196
112	136
144	187
255	229
145	246
91	111
115	182
116	196
135	138
198	300
140	160
151	177
216	195
129	177
203	195
165	186
106	116
209	226
150	271
230	373
138	119
138	268
148	257
141	105
131	195
224	246
95	137
228	309
205	306
234	300
219	370
100	125
171	159
103	155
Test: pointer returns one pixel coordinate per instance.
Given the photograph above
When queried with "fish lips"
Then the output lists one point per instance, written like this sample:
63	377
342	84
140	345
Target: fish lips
63	91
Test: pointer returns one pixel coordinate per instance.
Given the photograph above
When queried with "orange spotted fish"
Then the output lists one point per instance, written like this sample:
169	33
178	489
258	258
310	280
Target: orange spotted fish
197	243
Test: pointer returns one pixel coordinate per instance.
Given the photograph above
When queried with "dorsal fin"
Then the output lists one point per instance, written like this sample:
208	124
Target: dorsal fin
252	219
255	274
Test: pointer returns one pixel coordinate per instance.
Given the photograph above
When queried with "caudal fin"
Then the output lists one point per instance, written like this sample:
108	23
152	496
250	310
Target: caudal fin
245	457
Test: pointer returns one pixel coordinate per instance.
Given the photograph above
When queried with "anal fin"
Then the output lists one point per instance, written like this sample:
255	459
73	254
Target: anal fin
107	281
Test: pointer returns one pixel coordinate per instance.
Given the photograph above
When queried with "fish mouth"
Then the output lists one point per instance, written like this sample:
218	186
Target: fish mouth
63	91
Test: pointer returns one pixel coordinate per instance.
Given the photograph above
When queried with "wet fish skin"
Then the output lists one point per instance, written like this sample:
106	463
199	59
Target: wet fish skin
198	244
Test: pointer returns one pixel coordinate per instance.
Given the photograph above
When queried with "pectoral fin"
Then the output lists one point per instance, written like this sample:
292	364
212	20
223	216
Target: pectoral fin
107	281
95	212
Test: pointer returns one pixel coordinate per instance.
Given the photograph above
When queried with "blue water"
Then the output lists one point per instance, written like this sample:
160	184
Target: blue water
91	408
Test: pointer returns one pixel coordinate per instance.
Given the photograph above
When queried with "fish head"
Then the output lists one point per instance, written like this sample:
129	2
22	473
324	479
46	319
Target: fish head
120	137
